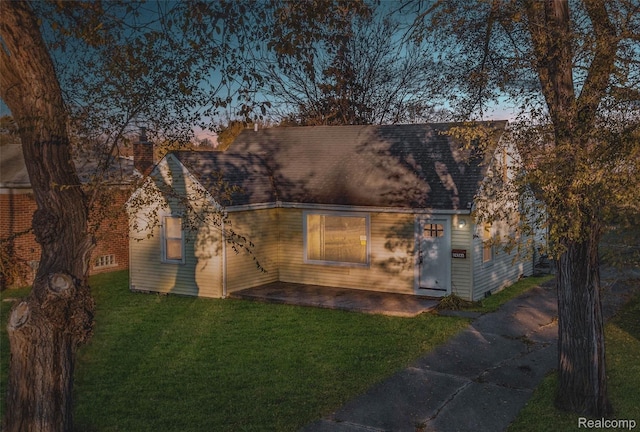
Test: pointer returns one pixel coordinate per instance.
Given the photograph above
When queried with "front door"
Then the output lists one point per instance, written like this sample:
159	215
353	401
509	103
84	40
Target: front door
434	257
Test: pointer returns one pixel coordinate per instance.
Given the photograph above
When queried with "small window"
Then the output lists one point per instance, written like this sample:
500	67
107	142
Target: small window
433	230
105	261
336	239
487	245
173	250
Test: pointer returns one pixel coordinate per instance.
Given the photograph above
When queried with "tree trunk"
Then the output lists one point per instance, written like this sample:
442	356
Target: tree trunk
47	327
42	361
582	381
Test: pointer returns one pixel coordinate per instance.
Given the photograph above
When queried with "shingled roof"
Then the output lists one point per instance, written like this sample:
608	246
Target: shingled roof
403	166
14	175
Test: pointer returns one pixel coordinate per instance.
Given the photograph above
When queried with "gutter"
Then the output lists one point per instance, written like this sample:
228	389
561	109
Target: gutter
345	208
7	189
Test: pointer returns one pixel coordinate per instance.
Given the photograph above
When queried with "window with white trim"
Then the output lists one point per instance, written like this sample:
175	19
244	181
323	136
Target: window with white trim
336	239
487	243
172	240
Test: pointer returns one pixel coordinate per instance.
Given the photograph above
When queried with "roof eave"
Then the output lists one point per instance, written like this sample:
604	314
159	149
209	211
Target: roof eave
345	208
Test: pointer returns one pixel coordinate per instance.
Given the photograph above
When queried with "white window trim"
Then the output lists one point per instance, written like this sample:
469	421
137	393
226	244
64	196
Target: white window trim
367	222
163	243
491	230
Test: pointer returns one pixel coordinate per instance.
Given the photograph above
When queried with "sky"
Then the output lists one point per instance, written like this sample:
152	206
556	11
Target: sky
499	111
4	109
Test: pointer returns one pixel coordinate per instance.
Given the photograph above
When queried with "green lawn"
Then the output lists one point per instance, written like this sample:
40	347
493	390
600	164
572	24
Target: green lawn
623	371
186	364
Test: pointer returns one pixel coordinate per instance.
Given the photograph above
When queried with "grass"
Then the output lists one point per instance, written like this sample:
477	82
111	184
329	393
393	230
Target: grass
622	338
187	364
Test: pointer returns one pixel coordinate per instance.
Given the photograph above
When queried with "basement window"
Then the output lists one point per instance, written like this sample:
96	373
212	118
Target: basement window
105	261
336	239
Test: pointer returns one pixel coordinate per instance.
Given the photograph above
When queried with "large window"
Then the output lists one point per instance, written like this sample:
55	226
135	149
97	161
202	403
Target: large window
172	240
336	239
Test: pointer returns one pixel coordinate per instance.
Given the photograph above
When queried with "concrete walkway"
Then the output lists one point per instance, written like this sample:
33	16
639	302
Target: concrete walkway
478	381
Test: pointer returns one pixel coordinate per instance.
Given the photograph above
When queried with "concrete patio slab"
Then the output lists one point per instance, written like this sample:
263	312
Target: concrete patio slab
403	305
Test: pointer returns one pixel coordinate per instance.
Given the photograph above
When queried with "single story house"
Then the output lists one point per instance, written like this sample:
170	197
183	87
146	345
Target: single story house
384	208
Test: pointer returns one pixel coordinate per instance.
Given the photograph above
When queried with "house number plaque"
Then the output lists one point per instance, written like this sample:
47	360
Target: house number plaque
459	253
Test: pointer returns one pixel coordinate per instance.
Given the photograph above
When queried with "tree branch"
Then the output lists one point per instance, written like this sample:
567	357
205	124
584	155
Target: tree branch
550	30
602	65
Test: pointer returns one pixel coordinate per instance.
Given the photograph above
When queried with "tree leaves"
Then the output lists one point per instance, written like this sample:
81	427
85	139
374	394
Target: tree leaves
570	68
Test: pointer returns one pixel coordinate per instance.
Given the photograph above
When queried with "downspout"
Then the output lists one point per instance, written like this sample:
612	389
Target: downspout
224	260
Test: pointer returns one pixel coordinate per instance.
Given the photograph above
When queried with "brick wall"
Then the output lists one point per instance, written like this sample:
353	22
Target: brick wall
112	237
16	211
110	254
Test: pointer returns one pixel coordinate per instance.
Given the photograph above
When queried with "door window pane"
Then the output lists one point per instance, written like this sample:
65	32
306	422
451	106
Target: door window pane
433	230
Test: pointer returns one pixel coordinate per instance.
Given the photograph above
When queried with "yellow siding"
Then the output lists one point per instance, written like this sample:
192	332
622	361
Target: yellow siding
200	275
503	270
201	272
391	262
259	227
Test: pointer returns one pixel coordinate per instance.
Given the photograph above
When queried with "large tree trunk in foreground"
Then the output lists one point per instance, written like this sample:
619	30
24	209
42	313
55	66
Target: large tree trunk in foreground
47	327
582	380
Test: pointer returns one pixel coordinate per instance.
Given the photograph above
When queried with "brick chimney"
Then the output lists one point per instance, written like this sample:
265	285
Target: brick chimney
143	154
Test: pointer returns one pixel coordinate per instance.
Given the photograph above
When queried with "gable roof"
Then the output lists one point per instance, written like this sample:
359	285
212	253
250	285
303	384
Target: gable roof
403	166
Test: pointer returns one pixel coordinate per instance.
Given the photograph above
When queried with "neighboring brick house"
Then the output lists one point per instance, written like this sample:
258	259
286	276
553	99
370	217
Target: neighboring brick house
17	205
